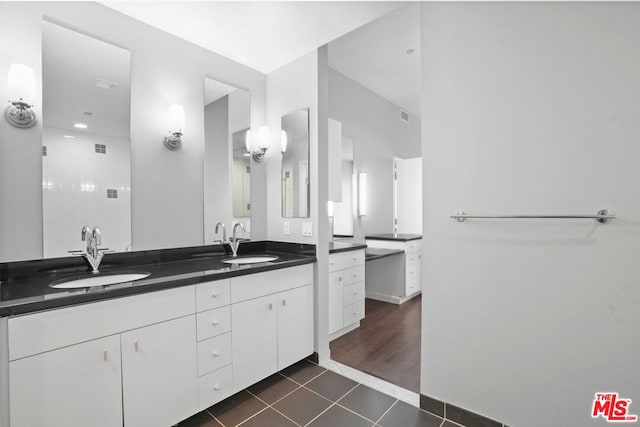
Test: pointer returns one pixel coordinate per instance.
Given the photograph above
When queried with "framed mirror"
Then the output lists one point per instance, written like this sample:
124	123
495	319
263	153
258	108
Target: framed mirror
86	175
295	164
227	163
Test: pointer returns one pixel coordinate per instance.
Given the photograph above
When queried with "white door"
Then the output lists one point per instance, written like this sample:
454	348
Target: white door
295	325
254	341
408	195
77	385
159	373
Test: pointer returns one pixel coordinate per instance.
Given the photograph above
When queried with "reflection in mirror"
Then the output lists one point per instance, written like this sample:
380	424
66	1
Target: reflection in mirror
85	145
227	164
295	165
343	212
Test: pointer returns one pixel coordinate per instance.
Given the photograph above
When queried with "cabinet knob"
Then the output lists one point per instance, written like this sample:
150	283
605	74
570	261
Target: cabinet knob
136	346
355	292
105	355
340	279
355	258
215	353
214	295
215	322
355	274
216	387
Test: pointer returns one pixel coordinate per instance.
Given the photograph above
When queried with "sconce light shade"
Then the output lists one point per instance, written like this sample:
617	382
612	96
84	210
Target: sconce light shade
362	194
330	208
283	140
260	143
173	141
21	88
247	140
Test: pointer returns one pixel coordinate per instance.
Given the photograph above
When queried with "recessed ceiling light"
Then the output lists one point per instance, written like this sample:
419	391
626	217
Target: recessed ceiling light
69	136
411	51
80	125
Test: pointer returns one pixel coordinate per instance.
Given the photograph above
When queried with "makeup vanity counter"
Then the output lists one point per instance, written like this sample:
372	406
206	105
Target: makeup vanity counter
395	279
155	351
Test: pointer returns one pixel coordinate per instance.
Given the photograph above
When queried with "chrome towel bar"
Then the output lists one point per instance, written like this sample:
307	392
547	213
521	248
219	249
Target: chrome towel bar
602	216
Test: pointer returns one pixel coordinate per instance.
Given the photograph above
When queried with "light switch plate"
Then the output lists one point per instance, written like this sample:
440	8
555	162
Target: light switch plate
287	228
307	229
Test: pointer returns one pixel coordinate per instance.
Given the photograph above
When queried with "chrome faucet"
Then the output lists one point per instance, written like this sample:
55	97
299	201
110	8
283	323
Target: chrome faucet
235	242
224	232
92	253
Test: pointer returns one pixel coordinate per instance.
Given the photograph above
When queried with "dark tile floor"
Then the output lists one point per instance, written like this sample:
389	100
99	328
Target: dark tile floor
306	394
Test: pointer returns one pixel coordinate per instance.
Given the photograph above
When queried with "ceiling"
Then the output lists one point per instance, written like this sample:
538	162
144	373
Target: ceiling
263	35
70	83
375	56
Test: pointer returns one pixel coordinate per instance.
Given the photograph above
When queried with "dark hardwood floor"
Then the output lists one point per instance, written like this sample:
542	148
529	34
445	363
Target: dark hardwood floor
387	344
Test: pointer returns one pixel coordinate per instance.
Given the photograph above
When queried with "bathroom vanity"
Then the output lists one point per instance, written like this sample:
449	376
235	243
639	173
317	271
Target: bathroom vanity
151	352
346	287
396	276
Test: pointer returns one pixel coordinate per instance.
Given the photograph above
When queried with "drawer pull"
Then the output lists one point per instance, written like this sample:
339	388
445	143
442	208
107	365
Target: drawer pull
215	322
340	279
217	387
355	274
355	292
214	295
216	353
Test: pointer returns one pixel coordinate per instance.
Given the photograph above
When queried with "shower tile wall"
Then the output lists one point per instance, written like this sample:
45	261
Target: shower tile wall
75	179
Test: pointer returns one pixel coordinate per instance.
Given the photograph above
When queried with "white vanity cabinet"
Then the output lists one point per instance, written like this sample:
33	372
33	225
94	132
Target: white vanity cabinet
346	291
79	385
141	368
272	323
153	359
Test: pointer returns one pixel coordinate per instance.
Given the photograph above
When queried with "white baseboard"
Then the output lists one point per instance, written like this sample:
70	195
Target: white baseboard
390	298
344	330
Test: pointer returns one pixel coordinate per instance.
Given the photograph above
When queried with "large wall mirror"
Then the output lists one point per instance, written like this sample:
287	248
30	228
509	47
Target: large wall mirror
85	141
295	164
227	168
344	211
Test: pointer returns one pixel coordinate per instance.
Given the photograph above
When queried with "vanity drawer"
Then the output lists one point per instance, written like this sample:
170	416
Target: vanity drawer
354	274
352	259
213	322
353	313
215	386
335	262
353	293
413	272
413	258
413	246
212	294
412	286
214	353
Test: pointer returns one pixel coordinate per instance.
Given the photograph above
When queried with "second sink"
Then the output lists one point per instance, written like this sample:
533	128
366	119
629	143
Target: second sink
250	259
98	280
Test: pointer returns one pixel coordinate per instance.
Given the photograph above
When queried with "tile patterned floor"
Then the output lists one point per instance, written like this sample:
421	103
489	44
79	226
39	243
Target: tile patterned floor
306	394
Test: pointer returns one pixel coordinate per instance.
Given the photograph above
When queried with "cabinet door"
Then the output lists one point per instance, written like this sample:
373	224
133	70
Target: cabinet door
159	373
254	343
295	325
77	385
336	301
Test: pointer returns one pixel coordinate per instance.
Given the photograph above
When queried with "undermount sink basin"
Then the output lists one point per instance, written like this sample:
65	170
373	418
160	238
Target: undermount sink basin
250	259
98	280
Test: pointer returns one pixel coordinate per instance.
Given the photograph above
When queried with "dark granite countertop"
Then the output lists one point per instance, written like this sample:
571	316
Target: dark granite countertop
397	237
341	246
24	285
376	253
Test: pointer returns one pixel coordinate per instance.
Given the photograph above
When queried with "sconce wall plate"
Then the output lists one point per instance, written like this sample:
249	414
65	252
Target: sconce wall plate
173	141
258	154
20	114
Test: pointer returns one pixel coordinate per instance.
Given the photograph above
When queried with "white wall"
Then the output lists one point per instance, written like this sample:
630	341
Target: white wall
531	108
378	134
290	88
167	187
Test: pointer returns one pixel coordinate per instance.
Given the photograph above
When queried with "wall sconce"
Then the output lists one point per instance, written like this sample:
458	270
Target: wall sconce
21	88
362	194
176	121
258	144
283	140
330	208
